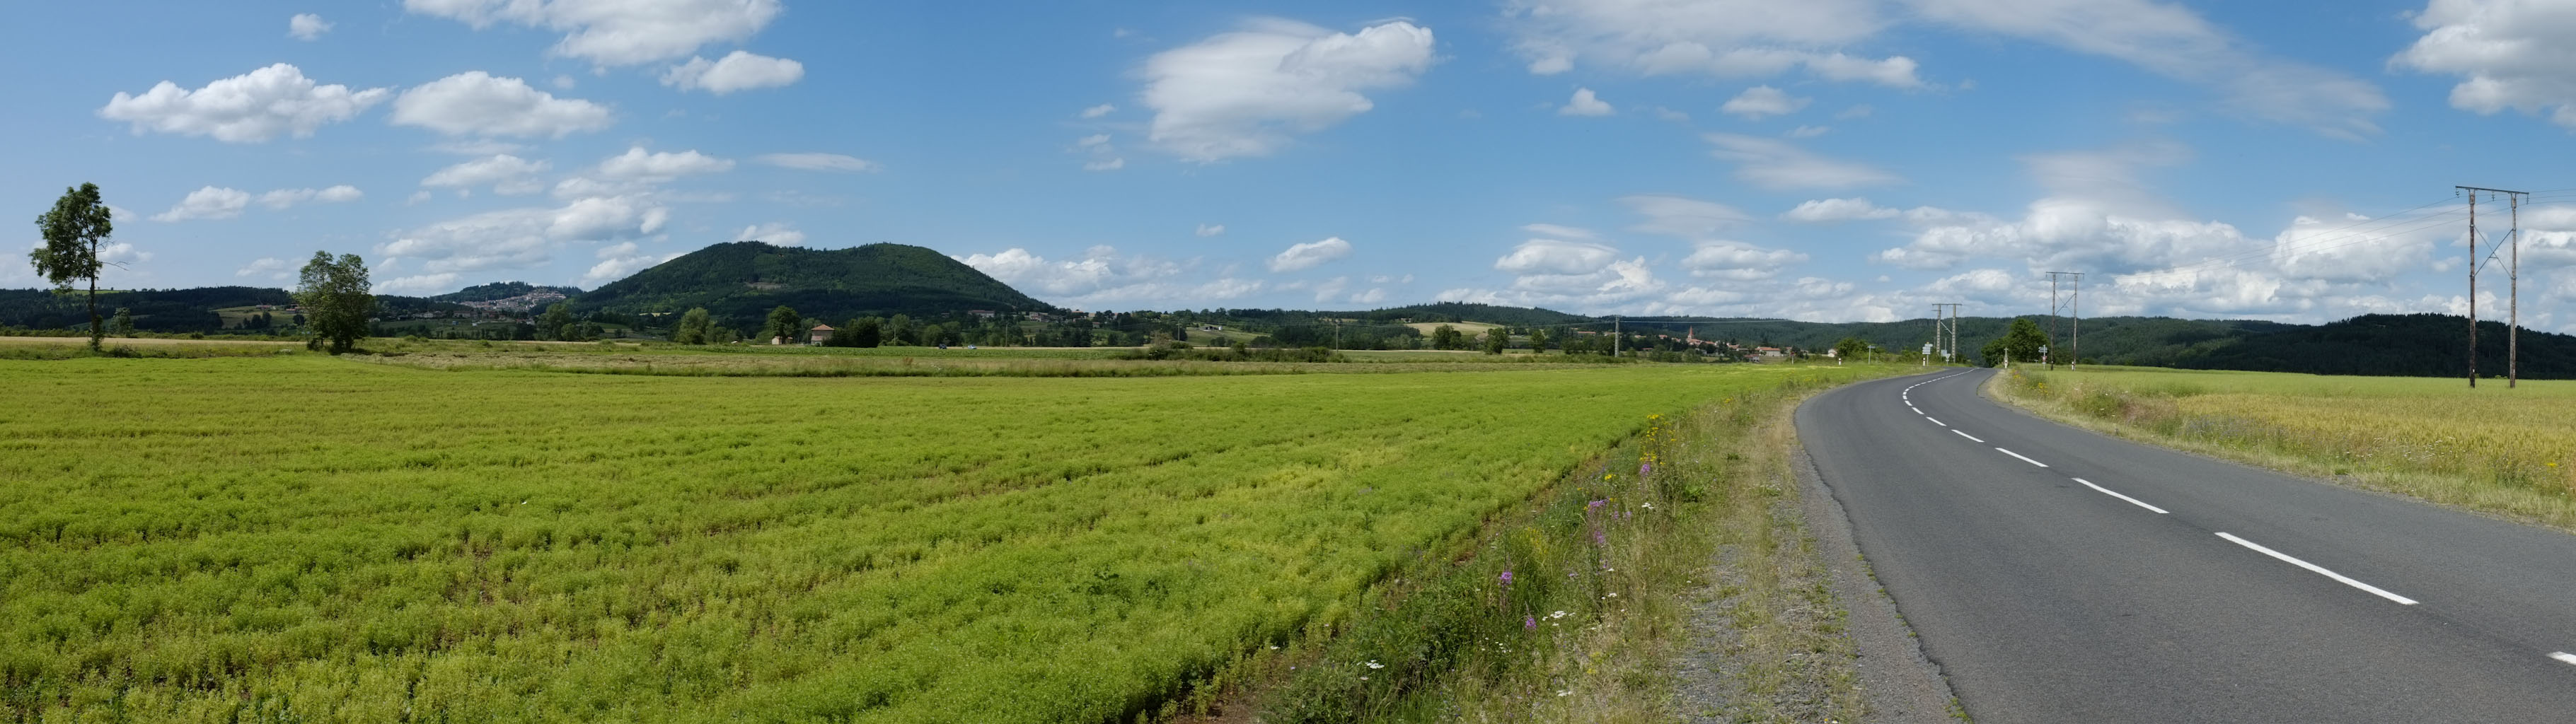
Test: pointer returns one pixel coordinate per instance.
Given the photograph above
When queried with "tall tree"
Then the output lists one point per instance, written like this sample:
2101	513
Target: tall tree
2021	342
557	322
898	331
1496	339
783	325
335	298
73	230
1851	348
1539	340
694	326
122	324
867	332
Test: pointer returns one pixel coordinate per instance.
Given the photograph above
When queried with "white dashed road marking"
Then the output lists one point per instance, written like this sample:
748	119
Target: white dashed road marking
2107	491
2320	570
2018	455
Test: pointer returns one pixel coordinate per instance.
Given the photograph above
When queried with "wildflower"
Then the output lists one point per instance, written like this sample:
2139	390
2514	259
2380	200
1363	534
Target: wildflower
1557	615
1644	468
1507	578
1372	663
1563	692
1648	506
1529	623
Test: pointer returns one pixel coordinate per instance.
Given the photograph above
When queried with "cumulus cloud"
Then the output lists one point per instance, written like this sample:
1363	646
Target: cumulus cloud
735	71
1102	155
1099	110
1208	230
507	175
1777	164
1737	260
776	233
1584	104
1557	257
270	267
2508	54
1762	100
1308	255
418	284
1681	216
1818	211
284	198
247	108
1102	275
210	202
617	32
518	238
2173	41
477	103
1723	38
639	164
307	26
817	162
621	260
1248	92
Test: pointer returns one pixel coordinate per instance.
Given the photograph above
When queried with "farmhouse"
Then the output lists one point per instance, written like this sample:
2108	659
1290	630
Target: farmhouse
818	335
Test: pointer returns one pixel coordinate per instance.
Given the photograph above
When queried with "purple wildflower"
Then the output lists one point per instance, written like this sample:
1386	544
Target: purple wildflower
1507	578
1644	468
1530	622
1599	539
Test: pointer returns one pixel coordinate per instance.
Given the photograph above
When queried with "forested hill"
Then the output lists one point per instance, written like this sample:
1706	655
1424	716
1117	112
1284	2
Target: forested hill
2410	345
502	290
739	282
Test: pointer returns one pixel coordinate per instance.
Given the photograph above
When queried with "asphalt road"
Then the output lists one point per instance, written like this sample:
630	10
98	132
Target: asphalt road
2177	588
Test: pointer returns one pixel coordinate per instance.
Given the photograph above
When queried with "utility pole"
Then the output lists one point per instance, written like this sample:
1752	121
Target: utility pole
1954	332
2075	282
1614	336
1935	345
2513	339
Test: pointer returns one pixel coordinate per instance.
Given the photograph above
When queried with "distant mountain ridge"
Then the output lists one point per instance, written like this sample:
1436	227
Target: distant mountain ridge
739	282
502	290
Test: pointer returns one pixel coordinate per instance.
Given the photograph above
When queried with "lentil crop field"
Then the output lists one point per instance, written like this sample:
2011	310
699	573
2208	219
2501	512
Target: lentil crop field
302	538
2499	450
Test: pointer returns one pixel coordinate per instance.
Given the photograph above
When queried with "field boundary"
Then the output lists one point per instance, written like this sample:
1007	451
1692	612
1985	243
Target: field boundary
1901	683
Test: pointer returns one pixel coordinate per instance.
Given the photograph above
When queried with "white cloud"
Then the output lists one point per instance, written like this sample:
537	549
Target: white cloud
2509	54
737	70
518	238
1247	92
1103	156
1208	230
1102	275
1557	257
1585	104
247	108
480	104
1859	111
418	284
1723	38
1372	296
210	202
477	147
307	26
1099	110
1330	288
1681	216
1777	164
1763	100
270	267
1308	255
617	32
284	198
776	233
1808	131
416	197
637	164
1737	260
817	162
2173	41
1831	210
620	260
507	175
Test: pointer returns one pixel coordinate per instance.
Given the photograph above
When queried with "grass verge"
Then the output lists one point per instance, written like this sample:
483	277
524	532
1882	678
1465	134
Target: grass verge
2491	451
1592	603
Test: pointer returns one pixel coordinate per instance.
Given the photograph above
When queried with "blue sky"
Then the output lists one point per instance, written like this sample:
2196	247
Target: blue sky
1822	160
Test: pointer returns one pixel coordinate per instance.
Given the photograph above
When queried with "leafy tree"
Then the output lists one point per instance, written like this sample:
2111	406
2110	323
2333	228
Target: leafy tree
898	331
1539	341
784	325
1496	339
556	323
334	293
1851	348
867	332
1448	337
122	324
2022	341
694	325
73	230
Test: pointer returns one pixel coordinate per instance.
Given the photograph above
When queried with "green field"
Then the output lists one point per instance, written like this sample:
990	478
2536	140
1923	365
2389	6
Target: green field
2500	450
302	538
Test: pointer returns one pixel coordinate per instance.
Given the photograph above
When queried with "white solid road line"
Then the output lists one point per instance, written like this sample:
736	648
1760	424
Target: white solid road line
1917	410
2320	570
1966	435
2107	491
1936	420
2018	455
2563	657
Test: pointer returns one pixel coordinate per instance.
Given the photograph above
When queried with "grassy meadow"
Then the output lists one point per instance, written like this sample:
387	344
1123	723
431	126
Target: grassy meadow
303	538
2505	451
